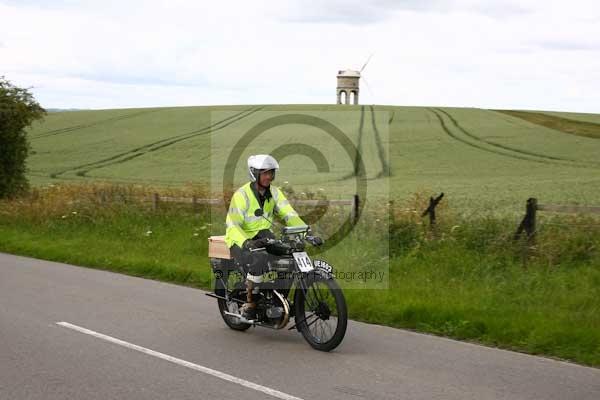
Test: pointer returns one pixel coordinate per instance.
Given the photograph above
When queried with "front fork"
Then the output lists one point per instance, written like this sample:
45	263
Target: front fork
302	284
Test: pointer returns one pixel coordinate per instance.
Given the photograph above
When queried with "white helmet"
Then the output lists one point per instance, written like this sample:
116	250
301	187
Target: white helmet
260	162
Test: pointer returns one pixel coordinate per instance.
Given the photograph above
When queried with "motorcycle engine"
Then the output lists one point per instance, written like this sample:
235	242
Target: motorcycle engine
277	311
274	312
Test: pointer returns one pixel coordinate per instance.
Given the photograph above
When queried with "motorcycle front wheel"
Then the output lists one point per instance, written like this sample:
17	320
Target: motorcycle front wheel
321	314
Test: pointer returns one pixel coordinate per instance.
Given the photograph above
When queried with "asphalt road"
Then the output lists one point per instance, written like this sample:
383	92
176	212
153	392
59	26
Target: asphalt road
170	342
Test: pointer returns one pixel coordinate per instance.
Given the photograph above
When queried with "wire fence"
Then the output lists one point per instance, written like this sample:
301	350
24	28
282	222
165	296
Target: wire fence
197	202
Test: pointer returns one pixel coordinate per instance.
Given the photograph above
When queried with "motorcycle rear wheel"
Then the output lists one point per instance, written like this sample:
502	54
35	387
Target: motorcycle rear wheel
236	292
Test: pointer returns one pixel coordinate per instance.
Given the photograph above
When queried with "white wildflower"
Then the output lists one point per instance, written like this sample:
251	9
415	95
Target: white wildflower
74	212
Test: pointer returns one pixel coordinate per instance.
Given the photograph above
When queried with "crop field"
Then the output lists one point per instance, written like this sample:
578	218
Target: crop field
484	161
574	124
594	118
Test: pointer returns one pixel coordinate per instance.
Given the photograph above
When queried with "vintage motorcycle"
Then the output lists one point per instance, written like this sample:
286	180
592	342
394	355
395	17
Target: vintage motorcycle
294	286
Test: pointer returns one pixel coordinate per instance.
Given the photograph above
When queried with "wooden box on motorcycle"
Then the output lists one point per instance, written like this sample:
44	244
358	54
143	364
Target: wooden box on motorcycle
217	248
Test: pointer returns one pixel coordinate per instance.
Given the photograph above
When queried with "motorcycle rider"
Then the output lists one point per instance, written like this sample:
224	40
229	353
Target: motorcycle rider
248	230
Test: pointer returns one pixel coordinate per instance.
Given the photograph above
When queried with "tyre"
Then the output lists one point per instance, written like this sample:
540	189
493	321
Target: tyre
230	283
321	314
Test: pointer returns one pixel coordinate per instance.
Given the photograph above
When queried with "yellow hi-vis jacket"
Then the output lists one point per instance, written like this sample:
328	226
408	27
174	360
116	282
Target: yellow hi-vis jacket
241	222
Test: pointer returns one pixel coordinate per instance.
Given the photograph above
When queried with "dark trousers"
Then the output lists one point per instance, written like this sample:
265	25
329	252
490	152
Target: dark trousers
253	262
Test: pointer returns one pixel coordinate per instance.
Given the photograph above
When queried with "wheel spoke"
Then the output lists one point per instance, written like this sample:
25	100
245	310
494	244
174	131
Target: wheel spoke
314	303
322	324
314	326
317	292
305	319
313	321
321	332
331	331
327	330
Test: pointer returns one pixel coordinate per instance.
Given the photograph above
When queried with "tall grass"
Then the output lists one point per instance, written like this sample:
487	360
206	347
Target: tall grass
468	279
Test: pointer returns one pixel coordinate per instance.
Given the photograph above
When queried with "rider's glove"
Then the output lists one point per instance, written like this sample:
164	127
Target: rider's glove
315	240
256	243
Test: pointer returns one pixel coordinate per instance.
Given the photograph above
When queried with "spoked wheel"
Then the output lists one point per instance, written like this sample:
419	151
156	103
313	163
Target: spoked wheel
231	283
321	314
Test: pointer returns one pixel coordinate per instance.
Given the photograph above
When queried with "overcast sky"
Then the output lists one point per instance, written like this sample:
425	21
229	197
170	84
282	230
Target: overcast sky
526	54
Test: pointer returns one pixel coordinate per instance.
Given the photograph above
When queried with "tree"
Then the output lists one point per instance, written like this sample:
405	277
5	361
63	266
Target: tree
18	109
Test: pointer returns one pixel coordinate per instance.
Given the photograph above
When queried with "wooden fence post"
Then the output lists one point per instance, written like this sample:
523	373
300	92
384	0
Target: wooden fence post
195	204
355	209
431	210
528	222
155	200
527	225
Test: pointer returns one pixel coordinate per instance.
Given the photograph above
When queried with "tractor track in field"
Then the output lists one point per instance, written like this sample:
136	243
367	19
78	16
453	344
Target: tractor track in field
83	169
509	148
176	139
361	129
520	155
357	155
112	179
385	168
73	128
453	136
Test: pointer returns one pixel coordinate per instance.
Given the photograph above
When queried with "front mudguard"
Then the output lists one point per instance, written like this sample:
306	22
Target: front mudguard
323	268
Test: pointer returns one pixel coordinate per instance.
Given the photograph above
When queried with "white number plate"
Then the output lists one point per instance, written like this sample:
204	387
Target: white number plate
303	261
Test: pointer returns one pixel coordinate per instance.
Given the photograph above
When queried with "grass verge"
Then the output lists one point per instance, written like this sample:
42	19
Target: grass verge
469	281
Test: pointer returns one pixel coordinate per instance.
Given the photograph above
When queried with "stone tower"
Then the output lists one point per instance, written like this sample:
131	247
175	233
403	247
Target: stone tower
347	86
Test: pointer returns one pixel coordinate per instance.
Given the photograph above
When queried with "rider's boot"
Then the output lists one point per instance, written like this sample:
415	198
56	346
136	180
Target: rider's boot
249	308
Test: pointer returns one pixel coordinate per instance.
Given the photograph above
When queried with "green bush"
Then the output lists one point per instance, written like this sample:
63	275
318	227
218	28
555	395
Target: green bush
18	109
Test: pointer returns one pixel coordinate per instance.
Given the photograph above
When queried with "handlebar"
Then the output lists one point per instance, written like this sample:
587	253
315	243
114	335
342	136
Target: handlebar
313	240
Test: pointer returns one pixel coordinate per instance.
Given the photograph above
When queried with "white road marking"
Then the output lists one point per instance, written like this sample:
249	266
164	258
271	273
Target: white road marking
206	370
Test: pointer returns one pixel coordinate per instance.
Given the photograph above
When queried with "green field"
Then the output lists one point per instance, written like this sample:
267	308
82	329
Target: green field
485	161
